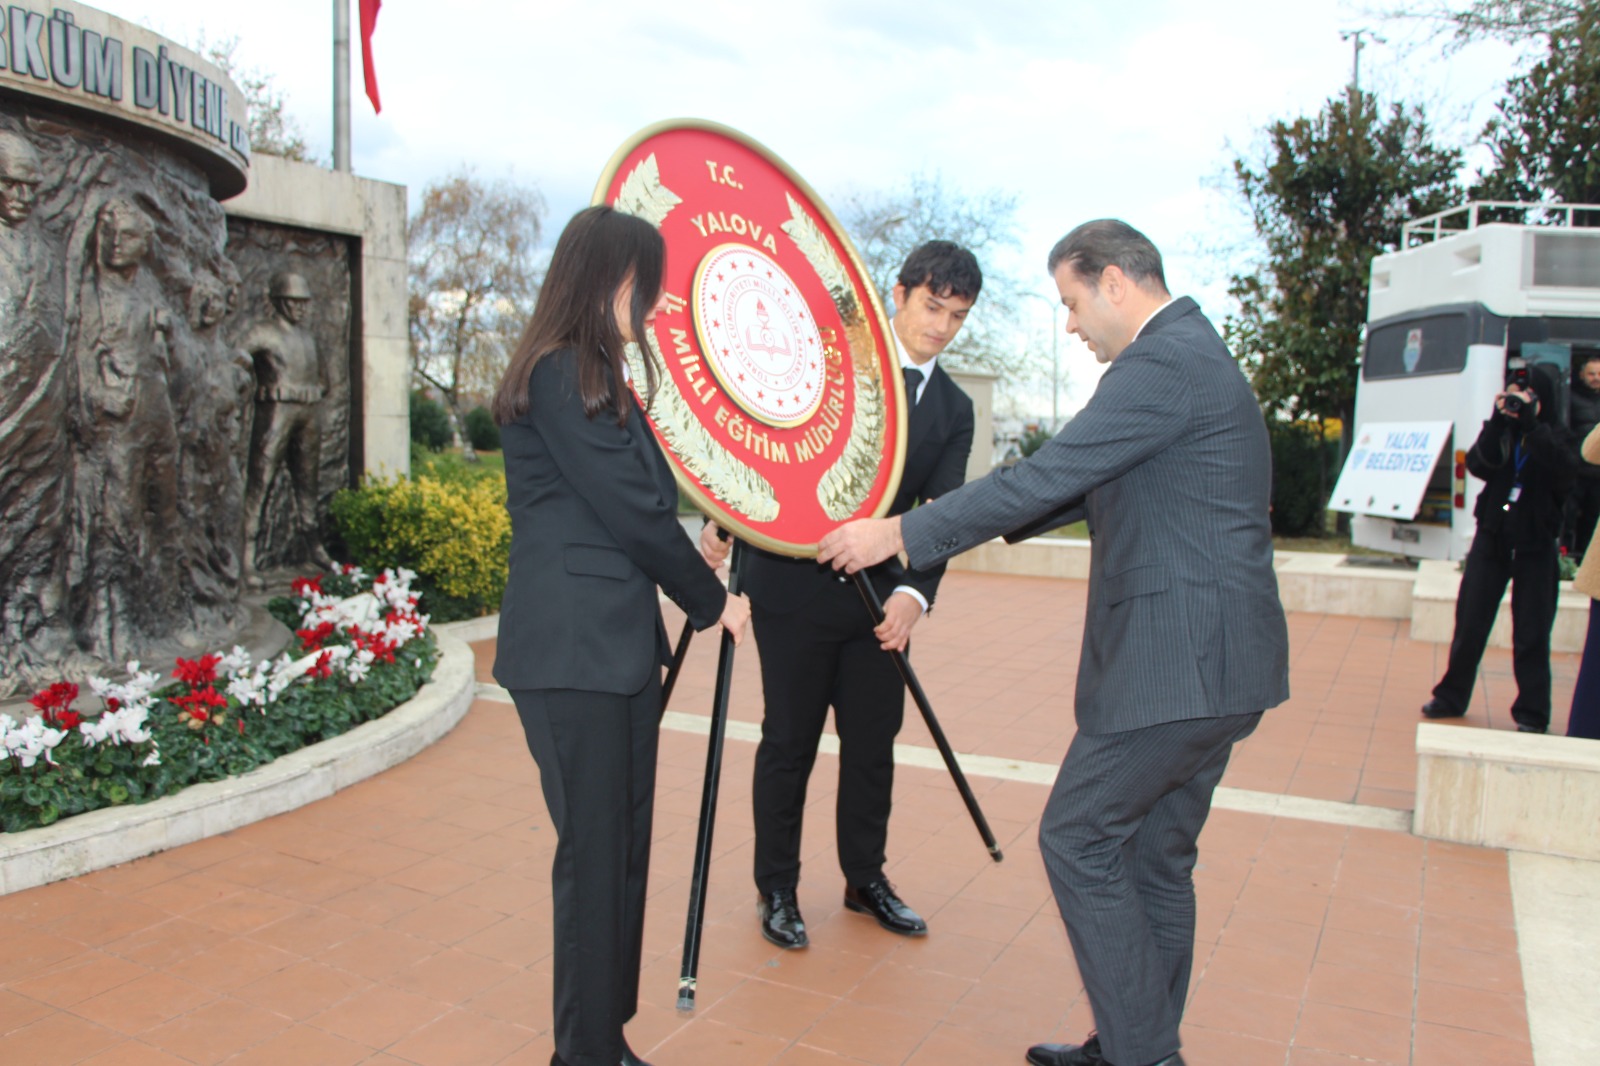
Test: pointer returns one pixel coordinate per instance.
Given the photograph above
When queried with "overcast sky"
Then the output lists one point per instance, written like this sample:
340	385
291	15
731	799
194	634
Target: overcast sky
1081	109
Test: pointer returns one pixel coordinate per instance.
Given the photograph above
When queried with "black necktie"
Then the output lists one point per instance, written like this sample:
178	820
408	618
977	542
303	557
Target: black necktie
913	383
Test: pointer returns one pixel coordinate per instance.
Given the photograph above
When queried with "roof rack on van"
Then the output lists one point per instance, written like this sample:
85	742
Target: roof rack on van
1470	215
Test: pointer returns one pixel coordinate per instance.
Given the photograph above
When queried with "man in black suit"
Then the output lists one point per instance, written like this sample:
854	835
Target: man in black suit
818	646
1185	643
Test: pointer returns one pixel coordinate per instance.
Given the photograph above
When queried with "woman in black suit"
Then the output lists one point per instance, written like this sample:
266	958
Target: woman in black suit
594	531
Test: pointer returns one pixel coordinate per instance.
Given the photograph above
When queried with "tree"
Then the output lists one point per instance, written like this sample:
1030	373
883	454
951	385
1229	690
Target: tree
1546	138
1513	21
1327	194
272	130
888	224
473	279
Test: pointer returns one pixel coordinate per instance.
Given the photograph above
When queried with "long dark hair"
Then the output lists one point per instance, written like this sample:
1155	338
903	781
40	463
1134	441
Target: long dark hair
600	249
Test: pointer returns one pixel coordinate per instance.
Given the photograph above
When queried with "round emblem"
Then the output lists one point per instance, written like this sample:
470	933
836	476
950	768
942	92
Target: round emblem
780	405
760	339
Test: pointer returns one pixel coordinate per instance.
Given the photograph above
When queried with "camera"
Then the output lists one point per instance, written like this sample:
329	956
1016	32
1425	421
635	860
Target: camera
1513	404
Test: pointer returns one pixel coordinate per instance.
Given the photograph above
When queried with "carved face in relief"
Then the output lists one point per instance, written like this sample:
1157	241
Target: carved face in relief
207	302
19	178
291	295
125	233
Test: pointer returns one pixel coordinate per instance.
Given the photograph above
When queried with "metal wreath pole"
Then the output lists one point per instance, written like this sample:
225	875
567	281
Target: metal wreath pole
678	654
875	607
695	922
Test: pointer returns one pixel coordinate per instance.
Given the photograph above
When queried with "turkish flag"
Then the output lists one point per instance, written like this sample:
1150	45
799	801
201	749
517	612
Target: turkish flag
369	22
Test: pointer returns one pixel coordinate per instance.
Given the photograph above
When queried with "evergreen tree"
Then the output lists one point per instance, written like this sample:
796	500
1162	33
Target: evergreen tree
1329	193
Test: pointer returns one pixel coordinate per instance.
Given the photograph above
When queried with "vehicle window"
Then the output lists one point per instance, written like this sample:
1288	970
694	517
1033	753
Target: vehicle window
1433	345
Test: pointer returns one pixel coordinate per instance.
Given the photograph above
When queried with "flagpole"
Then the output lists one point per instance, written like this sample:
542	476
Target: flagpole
341	85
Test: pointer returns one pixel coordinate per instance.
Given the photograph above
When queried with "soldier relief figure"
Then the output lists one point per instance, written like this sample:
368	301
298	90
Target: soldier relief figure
288	425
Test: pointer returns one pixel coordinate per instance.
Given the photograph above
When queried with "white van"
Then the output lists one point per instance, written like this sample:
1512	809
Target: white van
1464	299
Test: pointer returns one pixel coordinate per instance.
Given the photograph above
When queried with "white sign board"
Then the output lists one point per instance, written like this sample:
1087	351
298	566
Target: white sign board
1388	469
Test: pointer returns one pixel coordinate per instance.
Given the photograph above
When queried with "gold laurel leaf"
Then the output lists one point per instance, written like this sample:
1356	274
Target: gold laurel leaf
731	481
844	487
643	194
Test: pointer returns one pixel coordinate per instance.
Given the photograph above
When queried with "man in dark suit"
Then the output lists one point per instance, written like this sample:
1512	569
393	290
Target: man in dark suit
1185	642
817	643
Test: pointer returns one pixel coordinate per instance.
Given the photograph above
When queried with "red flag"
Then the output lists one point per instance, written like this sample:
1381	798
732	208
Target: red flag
369	22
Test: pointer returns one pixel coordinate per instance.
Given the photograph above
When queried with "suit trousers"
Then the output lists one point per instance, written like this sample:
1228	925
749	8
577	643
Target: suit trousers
1533	574
824	654
597	766
1118	841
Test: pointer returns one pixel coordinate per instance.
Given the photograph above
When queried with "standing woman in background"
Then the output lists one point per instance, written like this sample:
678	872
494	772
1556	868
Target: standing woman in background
1584	721
594	531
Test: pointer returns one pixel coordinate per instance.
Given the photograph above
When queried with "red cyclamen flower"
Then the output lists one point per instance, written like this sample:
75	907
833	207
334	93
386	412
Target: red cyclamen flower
201	671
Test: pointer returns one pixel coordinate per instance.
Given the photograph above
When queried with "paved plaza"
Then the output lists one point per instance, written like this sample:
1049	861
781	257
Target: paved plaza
406	920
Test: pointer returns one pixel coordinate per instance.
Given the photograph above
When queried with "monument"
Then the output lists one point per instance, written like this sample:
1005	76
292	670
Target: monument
175	384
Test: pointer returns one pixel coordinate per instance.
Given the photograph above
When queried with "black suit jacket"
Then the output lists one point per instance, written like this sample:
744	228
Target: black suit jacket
939	433
594	530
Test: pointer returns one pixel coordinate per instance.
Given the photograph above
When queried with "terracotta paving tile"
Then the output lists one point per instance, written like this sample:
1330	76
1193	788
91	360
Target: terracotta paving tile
1362	989
311	931
1202	1045
216	1031
77	979
452	975
136	1006
303	1045
1465	1047
132	1053
948	1045
378	1015
17	1012
461	1038
379	954
1362	1034
232	964
765	1007
187	892
712	1041
304	989
869	1033
1009	1011
1499	1013
243	911
166	942
1470	969
56	1039
519	940
33	907
1236	1010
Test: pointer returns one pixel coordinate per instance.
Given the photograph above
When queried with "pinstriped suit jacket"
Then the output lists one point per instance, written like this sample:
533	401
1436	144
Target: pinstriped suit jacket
1169	463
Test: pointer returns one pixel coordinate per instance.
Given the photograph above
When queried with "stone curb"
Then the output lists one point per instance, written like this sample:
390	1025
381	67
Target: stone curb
113	835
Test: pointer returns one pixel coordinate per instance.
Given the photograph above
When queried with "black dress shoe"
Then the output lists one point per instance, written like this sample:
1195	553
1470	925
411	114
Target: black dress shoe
629	1058
1084	1054
879	900
1437	708
1526	727
780	919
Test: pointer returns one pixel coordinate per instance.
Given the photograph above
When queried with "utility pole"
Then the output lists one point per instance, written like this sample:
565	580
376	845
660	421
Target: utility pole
1355	37
341	85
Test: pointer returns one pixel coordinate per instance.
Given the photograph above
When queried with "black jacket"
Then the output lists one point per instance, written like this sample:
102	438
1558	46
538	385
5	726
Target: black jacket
1585	415
594	530
1548	468
939	432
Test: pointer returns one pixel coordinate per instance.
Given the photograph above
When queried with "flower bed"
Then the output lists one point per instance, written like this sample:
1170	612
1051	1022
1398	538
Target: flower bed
363	649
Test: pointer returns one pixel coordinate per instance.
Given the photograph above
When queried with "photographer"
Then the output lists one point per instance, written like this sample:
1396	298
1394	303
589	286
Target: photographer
1527	463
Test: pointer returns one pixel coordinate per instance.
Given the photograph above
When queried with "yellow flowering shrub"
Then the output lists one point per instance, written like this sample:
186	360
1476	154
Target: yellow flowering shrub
454	533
